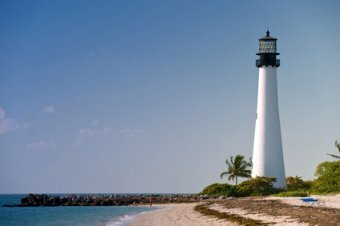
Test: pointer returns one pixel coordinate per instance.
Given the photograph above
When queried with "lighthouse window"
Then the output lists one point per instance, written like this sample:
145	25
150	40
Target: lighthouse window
267	46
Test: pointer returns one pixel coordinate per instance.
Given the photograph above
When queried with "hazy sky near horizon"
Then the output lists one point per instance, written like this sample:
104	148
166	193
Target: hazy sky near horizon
153	96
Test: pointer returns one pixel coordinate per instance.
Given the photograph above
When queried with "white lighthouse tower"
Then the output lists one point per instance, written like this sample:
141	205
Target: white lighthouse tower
267	152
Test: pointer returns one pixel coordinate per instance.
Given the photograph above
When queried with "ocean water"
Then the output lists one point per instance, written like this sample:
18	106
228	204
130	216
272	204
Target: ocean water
66	216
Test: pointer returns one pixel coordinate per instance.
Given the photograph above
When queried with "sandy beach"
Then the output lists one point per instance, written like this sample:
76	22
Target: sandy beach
266	211
176	214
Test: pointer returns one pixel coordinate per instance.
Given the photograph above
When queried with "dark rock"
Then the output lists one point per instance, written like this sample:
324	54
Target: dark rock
102	200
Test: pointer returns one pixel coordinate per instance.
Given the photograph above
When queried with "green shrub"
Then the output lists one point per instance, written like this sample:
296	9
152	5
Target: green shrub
292	194
328	178
257	186
219	189
296	184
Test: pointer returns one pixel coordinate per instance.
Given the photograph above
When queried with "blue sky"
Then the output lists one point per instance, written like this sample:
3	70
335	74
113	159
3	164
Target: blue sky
153	96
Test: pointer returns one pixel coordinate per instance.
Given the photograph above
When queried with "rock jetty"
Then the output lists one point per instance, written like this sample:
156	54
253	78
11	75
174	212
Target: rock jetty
32	200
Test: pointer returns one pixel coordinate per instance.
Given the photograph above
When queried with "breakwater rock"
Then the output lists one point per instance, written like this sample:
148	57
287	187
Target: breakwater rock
104	200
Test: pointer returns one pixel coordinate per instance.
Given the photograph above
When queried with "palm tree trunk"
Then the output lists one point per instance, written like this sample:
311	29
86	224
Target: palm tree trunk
236	180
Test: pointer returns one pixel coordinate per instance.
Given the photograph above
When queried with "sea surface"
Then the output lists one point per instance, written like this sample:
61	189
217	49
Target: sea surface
66	216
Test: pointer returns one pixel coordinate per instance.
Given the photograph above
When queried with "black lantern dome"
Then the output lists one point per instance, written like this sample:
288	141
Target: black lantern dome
267	52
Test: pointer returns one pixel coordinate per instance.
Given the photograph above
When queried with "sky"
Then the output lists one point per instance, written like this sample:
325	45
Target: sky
153	96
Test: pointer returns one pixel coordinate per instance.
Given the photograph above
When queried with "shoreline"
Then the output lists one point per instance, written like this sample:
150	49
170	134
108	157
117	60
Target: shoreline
174	214
263	210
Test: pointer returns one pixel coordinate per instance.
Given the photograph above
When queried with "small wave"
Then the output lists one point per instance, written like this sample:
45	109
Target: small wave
125	219
122	220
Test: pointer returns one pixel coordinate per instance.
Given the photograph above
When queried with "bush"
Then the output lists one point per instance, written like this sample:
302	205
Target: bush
219	189
328	178
297	184
292	194
257	186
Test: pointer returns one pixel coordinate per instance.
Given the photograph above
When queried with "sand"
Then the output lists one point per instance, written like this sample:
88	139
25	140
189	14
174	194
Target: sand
176	214
328	201
270	210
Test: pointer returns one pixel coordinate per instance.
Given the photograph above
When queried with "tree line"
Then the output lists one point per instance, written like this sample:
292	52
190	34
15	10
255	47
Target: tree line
327	180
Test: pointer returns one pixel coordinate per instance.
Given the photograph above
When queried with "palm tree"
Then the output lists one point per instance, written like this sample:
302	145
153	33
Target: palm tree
337	145
237	168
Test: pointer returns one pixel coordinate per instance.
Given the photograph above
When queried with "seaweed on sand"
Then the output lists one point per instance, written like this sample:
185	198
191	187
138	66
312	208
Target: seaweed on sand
204	209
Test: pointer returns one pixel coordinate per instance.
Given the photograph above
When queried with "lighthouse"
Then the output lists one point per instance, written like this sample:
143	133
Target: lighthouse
267	152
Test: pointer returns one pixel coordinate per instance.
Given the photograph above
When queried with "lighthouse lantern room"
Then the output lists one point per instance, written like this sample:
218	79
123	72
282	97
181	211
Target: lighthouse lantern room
267	52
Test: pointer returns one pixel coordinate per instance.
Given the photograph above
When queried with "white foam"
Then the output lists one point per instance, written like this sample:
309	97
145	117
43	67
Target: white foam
126	219
122	220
